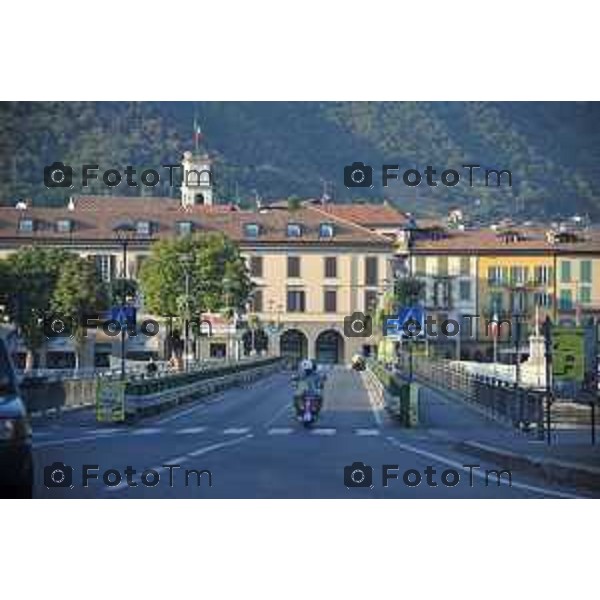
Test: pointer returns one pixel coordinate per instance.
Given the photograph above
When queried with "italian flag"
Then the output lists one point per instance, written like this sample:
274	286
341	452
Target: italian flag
197	131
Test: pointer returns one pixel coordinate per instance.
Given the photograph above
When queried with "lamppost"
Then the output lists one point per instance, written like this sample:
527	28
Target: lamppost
124	233
185	261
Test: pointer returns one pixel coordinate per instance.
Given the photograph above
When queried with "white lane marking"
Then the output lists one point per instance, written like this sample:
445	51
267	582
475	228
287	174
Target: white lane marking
181	459
324	431
236	430
367	432
146	431
286	406
197	406
190	430
66	441
220	445
369	388
280	431
453	463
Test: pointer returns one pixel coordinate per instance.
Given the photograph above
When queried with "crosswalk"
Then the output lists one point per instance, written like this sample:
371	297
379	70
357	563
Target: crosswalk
91	434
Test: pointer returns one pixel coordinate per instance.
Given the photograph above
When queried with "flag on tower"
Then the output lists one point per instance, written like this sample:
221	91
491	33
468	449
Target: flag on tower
197	133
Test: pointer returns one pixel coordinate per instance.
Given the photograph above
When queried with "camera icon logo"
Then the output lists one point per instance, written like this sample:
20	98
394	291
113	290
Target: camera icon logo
358	175
58	175
358	475
56	326
358	325
58	475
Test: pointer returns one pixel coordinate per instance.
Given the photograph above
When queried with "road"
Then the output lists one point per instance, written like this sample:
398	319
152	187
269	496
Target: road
244	443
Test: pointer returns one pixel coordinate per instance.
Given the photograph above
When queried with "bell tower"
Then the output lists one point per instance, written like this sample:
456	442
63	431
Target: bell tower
197	179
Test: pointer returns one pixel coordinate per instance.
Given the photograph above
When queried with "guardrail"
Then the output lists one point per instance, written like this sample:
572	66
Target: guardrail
45	395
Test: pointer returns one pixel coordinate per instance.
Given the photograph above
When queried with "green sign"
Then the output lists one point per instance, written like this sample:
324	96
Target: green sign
568	353
110	401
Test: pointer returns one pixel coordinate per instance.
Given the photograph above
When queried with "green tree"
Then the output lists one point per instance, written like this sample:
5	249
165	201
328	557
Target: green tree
79	291
409	291
217	276
30	276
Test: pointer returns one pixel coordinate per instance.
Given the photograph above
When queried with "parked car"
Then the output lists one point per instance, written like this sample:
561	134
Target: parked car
16	464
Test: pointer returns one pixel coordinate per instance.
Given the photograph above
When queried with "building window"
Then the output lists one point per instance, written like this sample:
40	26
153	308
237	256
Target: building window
296	301
442	266
185	227
256	266
370	300
294	230
565	301
105	266
420	265
565	271
465	266
497	275
518	275
293	266
26	225
542	275
64	226
496	301
143	228
330	301
326	230
371	277
585	295
330	267
586	271
542	299
464	290
252	230
257	301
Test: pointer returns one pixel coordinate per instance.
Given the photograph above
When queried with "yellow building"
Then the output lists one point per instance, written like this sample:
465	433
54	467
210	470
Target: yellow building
313	267
519	275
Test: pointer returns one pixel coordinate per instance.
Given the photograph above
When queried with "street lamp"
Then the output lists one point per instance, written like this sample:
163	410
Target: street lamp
186	260
124	232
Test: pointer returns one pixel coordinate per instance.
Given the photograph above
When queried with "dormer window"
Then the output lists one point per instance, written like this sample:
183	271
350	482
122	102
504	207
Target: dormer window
294	230
185	227
64	226
326	230
252	230
26	225
143	228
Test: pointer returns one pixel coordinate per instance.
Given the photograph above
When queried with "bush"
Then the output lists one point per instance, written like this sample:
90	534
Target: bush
160	384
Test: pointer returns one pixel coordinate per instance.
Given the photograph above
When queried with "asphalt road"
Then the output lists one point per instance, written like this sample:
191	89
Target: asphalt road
244	443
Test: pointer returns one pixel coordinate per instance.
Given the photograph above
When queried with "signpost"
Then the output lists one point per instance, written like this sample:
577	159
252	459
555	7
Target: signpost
110	401
568	354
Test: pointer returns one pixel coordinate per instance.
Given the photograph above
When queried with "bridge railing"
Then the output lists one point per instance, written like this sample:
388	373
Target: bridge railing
499	400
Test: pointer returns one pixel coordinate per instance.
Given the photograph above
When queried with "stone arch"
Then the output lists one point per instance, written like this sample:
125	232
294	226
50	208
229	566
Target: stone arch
293	343
329	347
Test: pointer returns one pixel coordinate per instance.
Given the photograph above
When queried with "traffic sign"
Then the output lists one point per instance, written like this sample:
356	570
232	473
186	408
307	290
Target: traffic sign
110	401
568	354
409	322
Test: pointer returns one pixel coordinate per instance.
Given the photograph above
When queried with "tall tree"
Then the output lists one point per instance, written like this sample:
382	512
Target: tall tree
30	275
79	291
217	276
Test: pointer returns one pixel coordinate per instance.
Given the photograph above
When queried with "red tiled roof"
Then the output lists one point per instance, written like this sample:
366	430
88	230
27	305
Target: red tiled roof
366	214
532	240
95	217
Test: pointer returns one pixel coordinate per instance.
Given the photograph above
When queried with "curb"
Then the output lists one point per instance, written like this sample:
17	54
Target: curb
552	471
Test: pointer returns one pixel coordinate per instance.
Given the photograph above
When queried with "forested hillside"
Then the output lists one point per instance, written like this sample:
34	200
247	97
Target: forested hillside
278	150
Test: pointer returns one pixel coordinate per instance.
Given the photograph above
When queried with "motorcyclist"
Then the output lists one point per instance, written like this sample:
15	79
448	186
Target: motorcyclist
309	381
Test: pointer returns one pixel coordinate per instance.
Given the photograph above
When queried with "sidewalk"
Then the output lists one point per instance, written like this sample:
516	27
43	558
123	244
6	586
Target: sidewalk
570	459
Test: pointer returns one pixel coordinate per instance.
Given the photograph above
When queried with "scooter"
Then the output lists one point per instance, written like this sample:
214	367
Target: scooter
310	405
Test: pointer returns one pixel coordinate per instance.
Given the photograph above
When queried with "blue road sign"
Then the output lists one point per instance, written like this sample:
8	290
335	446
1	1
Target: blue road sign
123	314
410	322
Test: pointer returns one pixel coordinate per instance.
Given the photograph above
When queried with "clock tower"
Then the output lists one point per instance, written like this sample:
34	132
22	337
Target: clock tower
197	180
